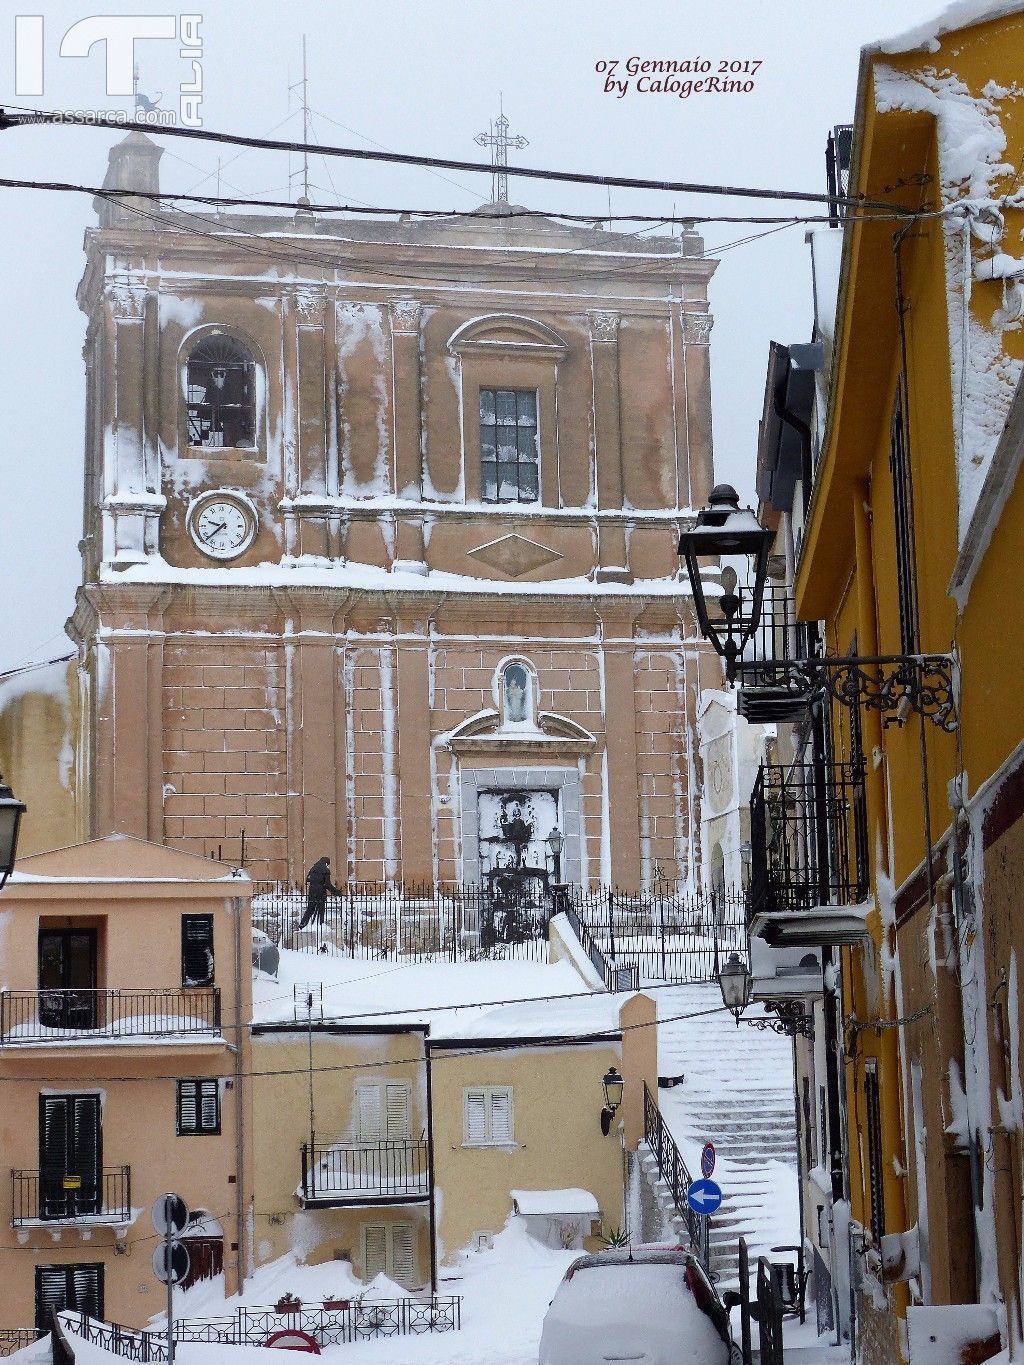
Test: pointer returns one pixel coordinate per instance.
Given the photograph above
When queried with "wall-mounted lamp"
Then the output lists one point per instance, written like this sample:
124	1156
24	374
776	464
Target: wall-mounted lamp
11	811
612	1084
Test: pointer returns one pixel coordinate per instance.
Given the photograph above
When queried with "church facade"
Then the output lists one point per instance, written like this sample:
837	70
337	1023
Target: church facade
380	540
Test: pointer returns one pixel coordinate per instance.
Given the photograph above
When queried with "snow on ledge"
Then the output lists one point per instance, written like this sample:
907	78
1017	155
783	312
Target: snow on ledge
314	572
959	14
555	1203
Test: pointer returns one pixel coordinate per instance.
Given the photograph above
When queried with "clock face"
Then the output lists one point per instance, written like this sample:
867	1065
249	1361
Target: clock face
221	526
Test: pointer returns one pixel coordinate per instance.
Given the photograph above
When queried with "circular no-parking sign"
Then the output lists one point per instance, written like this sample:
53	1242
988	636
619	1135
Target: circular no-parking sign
707	1160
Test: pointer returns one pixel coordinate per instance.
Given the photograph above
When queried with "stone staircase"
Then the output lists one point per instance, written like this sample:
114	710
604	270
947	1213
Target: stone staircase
738	1092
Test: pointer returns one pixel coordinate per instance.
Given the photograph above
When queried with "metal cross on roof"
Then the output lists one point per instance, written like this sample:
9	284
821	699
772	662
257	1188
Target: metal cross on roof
499	139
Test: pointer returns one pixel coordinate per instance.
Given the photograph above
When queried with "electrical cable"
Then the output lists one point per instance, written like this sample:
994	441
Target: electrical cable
515	212
447	1054
55	118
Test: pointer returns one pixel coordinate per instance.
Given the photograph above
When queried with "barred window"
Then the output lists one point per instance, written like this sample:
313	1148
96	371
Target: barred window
198	1106
509	451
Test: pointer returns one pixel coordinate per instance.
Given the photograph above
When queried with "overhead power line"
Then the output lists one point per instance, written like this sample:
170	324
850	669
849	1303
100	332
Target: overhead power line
53	117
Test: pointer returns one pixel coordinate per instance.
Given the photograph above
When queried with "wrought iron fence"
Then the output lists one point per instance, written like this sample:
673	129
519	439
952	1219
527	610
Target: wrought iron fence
670	932
357	1319
54	1196
616	976
769	1313
672	1169
808	834
348	1170
59	1015
15	1338
415	922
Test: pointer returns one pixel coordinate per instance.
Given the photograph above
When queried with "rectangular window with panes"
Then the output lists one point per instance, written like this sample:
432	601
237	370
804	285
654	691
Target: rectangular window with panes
509	449
198	1107
487	1116
197	950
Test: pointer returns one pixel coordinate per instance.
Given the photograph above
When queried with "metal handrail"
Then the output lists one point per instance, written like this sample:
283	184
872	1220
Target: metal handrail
616	977
52	1195
672	1169
340	1171
117	1012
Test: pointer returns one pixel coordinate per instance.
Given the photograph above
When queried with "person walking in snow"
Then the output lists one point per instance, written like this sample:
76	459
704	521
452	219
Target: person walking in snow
318	887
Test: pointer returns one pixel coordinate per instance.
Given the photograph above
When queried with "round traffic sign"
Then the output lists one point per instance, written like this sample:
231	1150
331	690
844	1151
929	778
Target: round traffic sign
707	1160
704	1196
291	1339
173	1269
169	1211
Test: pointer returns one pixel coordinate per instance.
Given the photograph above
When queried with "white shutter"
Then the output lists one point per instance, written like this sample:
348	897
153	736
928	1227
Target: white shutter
501	1116
209	1107
397	1112
476	1116
403	1261
368	1109
375	1250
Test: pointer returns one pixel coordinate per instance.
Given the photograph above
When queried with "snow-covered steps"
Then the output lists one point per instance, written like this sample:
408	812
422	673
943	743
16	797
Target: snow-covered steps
738	1092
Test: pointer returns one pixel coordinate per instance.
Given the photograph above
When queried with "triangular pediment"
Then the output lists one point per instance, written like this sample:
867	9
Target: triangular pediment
119	857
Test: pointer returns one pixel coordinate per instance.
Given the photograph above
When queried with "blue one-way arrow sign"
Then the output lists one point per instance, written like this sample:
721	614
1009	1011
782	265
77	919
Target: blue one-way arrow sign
704	1196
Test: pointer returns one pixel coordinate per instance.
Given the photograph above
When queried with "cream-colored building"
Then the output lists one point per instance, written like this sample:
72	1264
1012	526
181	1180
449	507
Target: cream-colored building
426	1131
126	971
380	539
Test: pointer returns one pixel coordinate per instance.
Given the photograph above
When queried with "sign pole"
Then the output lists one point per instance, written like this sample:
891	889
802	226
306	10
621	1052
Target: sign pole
168	1247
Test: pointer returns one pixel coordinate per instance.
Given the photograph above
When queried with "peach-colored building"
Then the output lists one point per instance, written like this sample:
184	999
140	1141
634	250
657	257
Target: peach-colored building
380	538
126	975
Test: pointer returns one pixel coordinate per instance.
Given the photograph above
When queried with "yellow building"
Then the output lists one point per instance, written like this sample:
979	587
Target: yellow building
912	545
123	1075
395	1144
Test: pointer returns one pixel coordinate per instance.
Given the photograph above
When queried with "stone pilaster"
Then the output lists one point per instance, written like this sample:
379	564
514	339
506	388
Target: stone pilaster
407	472
604	351
696	391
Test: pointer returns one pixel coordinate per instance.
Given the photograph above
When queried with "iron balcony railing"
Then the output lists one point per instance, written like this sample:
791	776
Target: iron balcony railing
808	836
45	1016
344	1172
52	1195
672	1169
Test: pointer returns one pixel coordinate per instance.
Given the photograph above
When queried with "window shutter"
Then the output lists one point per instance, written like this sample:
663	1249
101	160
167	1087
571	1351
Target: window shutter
87	1289
403	1266
209	1106
197	950
368	1108
51	1292
398	1112
188	1106
476	1116
501	1116
86	1131
53	1146
375	1250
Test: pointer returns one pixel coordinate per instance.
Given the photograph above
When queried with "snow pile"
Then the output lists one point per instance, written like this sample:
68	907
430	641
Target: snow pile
958	14
943	1335
553	1202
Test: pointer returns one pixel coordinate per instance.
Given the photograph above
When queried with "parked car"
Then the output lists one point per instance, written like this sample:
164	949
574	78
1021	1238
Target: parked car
653	1305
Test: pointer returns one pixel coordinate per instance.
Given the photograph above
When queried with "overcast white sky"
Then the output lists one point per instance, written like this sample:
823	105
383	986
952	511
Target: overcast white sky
418	78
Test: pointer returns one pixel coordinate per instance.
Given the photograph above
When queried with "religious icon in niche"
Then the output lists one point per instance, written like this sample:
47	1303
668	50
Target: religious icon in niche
516	683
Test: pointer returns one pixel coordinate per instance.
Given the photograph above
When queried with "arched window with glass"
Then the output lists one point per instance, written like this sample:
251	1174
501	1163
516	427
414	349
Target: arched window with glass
220	385
517	694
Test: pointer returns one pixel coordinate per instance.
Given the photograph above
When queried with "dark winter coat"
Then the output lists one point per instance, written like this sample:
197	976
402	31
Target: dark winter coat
318	880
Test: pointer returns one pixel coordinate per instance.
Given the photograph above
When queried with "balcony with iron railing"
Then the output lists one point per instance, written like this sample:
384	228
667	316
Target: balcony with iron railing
386	1172
62	1016
52	1196
809	852
772	689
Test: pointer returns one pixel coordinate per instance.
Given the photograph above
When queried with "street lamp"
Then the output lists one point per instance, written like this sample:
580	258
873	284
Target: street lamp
725	528
889	683
784	1016
554	843
11	811
612	1084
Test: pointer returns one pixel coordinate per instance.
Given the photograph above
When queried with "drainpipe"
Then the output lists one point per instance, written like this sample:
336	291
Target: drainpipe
430	1163
240	1024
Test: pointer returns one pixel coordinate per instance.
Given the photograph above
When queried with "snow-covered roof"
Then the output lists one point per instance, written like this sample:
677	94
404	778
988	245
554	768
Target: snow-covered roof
456	999
555	1202
117	859
957	15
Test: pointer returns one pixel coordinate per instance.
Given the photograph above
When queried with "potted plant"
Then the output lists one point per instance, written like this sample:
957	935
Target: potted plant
288	1303
333	1304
